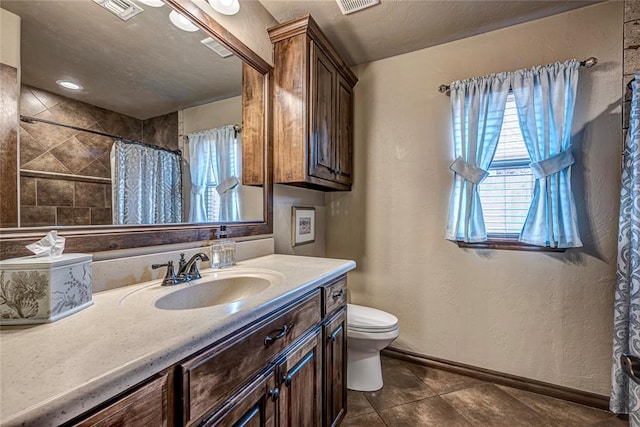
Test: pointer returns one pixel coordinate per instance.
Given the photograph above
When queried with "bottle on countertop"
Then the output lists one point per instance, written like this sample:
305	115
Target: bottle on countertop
223	250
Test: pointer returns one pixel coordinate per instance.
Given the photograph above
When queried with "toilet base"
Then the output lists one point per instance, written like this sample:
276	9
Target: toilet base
364	372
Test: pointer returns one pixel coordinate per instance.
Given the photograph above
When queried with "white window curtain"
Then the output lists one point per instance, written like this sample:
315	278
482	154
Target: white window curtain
215	157
545	97
147	185
477	107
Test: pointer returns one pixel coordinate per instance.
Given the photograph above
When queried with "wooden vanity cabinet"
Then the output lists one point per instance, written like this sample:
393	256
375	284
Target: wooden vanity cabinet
312	109
287	369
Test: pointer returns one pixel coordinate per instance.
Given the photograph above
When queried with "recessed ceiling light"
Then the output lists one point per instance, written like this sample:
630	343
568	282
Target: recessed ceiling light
226	7
152	3
181	22
69	84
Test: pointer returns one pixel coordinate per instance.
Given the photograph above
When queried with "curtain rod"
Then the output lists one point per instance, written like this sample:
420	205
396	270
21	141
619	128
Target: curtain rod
29	119
236	130
587	63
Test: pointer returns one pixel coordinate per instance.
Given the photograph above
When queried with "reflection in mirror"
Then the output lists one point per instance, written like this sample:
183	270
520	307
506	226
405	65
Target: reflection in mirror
155	129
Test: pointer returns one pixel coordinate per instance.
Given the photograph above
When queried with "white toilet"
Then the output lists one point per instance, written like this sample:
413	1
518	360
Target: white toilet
368	331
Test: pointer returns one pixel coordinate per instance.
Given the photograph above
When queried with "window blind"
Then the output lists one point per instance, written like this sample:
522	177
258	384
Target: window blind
507	192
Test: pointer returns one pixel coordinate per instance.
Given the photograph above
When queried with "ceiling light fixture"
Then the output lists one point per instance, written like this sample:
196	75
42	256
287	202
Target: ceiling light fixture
181	22
68	84
153	3
226	7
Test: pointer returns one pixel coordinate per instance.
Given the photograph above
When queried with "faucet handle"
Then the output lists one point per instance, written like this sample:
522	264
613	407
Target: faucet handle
169	278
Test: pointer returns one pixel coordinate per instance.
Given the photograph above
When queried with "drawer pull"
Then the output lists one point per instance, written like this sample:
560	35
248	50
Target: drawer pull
281	333
332	337
274	394
337	294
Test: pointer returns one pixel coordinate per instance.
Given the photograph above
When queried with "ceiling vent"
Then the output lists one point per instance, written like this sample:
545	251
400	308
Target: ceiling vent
216	47
123	9
350	6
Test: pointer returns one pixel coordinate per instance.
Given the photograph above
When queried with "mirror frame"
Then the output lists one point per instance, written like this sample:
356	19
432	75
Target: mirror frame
106	238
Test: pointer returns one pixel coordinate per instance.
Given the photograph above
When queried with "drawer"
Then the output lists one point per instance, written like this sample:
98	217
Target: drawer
334	296
214	376
147	405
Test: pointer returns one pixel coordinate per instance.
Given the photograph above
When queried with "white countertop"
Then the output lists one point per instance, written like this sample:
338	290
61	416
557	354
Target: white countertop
53	372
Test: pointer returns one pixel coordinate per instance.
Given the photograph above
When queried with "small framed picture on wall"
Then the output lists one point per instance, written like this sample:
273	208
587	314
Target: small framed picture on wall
303	225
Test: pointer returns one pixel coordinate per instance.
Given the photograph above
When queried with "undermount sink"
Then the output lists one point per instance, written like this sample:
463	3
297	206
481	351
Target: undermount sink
210	291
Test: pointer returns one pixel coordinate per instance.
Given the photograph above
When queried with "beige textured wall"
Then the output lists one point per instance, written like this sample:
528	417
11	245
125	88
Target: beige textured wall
209	116
284	198
539	315
9	39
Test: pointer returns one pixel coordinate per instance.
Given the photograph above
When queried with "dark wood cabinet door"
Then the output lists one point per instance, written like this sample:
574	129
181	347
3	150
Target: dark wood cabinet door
322	117
344	132
301	384
254	406
335	368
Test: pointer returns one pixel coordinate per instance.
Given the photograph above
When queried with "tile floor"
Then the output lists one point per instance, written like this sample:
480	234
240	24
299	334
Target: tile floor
414	395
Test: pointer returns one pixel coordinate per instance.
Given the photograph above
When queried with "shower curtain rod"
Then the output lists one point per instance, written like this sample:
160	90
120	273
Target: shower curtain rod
29	119
587	63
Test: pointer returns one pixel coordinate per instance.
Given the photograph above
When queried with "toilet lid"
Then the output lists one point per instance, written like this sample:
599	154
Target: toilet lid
369	319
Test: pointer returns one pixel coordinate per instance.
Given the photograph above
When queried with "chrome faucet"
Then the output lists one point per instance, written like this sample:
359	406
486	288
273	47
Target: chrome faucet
187	270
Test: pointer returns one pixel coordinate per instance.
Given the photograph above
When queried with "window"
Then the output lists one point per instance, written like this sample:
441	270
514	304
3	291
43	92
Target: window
212	202
507	192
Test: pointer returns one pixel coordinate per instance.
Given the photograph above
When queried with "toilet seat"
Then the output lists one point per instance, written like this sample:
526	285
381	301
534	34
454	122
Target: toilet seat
370	320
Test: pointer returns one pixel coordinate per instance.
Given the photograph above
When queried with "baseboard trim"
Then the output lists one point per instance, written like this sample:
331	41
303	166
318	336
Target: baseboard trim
577	396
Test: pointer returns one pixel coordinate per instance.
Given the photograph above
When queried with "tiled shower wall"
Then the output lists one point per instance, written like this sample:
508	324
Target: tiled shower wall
631	52
81	194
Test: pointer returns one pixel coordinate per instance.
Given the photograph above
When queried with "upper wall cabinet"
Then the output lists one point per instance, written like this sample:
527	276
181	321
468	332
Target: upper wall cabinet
312	109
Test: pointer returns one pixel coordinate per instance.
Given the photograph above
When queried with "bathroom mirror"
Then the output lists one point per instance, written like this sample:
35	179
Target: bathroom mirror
147	81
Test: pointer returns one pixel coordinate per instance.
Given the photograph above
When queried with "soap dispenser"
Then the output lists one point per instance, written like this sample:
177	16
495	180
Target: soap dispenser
223	251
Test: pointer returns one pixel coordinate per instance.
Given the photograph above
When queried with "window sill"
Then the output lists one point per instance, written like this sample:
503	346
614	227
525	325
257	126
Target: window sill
509	245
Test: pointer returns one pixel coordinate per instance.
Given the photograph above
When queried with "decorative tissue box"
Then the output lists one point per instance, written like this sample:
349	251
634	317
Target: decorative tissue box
43	289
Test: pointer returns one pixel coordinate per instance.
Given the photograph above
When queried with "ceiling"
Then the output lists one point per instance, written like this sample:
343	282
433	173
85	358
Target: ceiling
394	27
144	67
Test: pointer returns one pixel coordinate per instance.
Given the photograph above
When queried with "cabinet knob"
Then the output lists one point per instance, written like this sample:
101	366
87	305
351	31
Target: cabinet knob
287	379
274	394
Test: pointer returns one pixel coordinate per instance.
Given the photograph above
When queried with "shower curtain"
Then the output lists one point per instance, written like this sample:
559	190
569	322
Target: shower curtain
625	394
147	184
